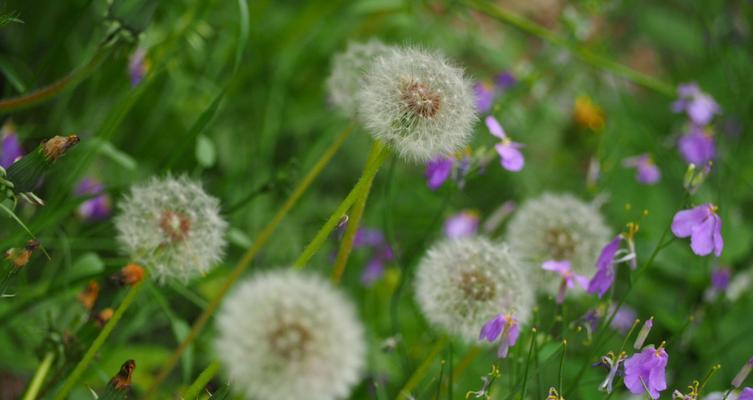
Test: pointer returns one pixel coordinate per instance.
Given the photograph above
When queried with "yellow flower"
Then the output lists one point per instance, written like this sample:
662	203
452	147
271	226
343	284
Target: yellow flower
587	114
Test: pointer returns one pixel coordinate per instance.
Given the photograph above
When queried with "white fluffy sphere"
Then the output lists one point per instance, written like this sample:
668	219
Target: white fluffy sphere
418	103
348	68
558	227
463	283
289	335
172	228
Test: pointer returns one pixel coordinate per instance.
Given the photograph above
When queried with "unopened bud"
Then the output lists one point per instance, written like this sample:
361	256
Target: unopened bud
643	334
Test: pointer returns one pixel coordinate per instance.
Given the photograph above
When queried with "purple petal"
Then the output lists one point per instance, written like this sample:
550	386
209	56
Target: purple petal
373	271
561	267
461	225
717	237
746	394
505	80
647	172
503	349
437	172
510	157
602	281
684	221
10	149
702	238
608	253
95	209
697	147
720	277
484	97
492	329
494	127
512	333
582	281
702	109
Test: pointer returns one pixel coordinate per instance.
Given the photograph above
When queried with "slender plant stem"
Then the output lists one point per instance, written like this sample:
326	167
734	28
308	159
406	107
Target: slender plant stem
355	220
583	53
39	375
245	261
562	365
50	91
201	381
98	342
363	182
422	369
528	364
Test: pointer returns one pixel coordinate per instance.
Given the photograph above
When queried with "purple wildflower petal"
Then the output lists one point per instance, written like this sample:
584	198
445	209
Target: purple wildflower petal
720	278
582	281
608	252
494	127
717	235
373	271
505	80
493	328
10	149
461	225
484	97
702	109
561	267
697	147
746	394
510	157
437	171
684	221
602	280
647	367
701	240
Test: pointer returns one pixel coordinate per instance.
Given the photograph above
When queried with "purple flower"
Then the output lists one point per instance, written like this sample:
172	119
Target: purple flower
137	66
462	224
699	106
381	253
697	147
505	80
368	238
510	156
373	271
647	368
96	208
624	319
646	171
746	394
437	171
10	148
484	97
504	325
704	227
604	277
569	277
720	277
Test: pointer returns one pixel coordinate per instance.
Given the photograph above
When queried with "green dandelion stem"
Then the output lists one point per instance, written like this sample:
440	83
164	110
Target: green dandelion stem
245	261
201	381
98	342
377	157
354	220
528	364
39	375
422	369
583	53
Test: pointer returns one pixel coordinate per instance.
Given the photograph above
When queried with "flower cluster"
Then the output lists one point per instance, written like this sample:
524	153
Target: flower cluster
697	144
381	253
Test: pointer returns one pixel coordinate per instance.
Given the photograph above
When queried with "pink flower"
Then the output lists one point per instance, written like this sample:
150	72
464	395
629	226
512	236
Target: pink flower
504	325
569	277
646	171
509	152
703	226
462	224
437	171
647	368
604	277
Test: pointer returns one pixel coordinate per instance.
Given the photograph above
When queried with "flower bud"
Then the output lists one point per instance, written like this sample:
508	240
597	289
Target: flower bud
643	334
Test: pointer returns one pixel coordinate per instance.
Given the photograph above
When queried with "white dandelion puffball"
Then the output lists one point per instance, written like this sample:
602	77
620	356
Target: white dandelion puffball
348	68
417	103
463	283
172	228
558	227
290	335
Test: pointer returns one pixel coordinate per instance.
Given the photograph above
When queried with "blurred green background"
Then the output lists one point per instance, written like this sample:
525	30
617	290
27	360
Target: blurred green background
250	130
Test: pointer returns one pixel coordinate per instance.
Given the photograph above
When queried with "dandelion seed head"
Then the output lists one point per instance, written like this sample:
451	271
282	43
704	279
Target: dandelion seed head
348	68
557	227
289	335
418	103
172	227
463	283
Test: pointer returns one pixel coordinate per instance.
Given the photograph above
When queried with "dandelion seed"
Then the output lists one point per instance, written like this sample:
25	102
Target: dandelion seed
647	368
172	228
461	284
288	335
557	227
703	225
418	104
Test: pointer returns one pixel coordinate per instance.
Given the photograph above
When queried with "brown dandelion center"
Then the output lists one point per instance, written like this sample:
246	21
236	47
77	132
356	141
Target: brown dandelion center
560	243
420	99
174	225
290	340
476	286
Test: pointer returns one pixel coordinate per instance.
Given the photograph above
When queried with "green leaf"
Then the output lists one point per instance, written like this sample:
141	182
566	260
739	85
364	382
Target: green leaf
206	154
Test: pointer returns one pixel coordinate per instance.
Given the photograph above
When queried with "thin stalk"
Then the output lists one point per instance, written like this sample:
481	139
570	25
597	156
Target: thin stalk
562	365
98	342
528	364
597	60
245	261
354	220
422	369
45	93
39	375
363	182
201	381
